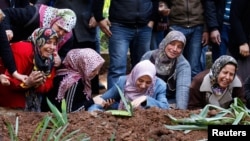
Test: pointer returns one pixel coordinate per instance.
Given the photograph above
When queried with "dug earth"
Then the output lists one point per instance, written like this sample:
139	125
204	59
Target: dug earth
144	125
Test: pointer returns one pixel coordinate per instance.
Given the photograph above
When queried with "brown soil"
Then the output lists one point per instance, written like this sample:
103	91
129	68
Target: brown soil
144	125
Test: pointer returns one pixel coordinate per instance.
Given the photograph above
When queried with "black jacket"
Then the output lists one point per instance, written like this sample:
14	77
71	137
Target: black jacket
214	12
128	11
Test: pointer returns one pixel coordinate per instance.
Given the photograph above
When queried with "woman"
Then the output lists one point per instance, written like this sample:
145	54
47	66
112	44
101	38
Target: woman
173	68
217	86
21	22
73	80
33	58
141	87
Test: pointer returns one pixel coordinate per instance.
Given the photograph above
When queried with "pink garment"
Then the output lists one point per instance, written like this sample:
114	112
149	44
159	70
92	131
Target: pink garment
79	64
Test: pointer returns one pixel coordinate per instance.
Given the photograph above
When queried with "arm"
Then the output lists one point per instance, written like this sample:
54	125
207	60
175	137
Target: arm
147	55
111	93
197	99
159	98
212	22
18	16
5	51
237	16
183	82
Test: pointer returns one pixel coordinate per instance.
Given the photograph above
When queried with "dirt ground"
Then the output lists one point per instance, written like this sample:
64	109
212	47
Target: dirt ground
144	125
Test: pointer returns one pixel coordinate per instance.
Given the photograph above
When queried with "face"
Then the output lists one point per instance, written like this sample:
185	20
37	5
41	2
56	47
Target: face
94	73
143	82
226	75
47	49
60	31
174	49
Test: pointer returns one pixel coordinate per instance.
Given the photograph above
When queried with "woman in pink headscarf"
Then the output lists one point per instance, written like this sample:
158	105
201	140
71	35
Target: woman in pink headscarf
141	87
73	80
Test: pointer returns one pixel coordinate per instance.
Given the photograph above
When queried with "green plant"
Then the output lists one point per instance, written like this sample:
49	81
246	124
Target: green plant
13	134
127	104
61	118
55	132
236	114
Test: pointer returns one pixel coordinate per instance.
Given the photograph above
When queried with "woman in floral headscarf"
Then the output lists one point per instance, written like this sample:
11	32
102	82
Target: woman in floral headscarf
21	22
73	80
173	68
217	86
141	87
33	58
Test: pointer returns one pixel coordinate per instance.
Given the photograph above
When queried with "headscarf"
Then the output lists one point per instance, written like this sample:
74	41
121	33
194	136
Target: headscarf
162	62
65	18
143	68
215	70
78	64
39	38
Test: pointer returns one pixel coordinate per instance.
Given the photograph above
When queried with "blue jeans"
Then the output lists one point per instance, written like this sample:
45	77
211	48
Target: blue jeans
193	49
217	51
157	37
124	39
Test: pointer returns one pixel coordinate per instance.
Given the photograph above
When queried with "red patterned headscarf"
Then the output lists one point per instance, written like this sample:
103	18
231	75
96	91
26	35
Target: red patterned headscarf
78	64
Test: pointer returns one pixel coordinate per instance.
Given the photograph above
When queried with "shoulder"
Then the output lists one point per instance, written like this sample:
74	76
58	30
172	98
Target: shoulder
182	60
160	82
147	55
22	47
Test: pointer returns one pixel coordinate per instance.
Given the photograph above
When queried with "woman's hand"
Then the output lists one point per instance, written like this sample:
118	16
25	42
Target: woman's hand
57	59
19	76
36	78
4	79
137	102
9	34
100	101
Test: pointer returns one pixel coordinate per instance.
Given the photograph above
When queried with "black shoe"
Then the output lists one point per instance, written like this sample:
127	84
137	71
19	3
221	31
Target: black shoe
101	86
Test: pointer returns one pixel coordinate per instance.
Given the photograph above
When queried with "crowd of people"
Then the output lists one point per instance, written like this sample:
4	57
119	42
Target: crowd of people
51	50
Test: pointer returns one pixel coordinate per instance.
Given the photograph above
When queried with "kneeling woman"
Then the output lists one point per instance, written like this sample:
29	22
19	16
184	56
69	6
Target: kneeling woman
217	86
141	87
34	58
73	80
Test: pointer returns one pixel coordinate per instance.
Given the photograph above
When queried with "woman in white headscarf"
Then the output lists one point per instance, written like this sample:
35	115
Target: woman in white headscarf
141	87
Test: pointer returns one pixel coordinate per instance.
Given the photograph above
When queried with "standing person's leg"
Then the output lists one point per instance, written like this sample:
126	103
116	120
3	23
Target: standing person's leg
118	49
98	49
141	44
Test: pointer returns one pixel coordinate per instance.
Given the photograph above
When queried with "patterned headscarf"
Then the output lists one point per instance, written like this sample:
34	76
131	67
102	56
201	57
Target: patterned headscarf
39	38
65	18
162	62
143	68
216	68
78	64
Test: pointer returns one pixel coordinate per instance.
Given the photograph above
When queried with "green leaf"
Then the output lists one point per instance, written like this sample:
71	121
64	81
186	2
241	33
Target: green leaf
127	104
119	112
